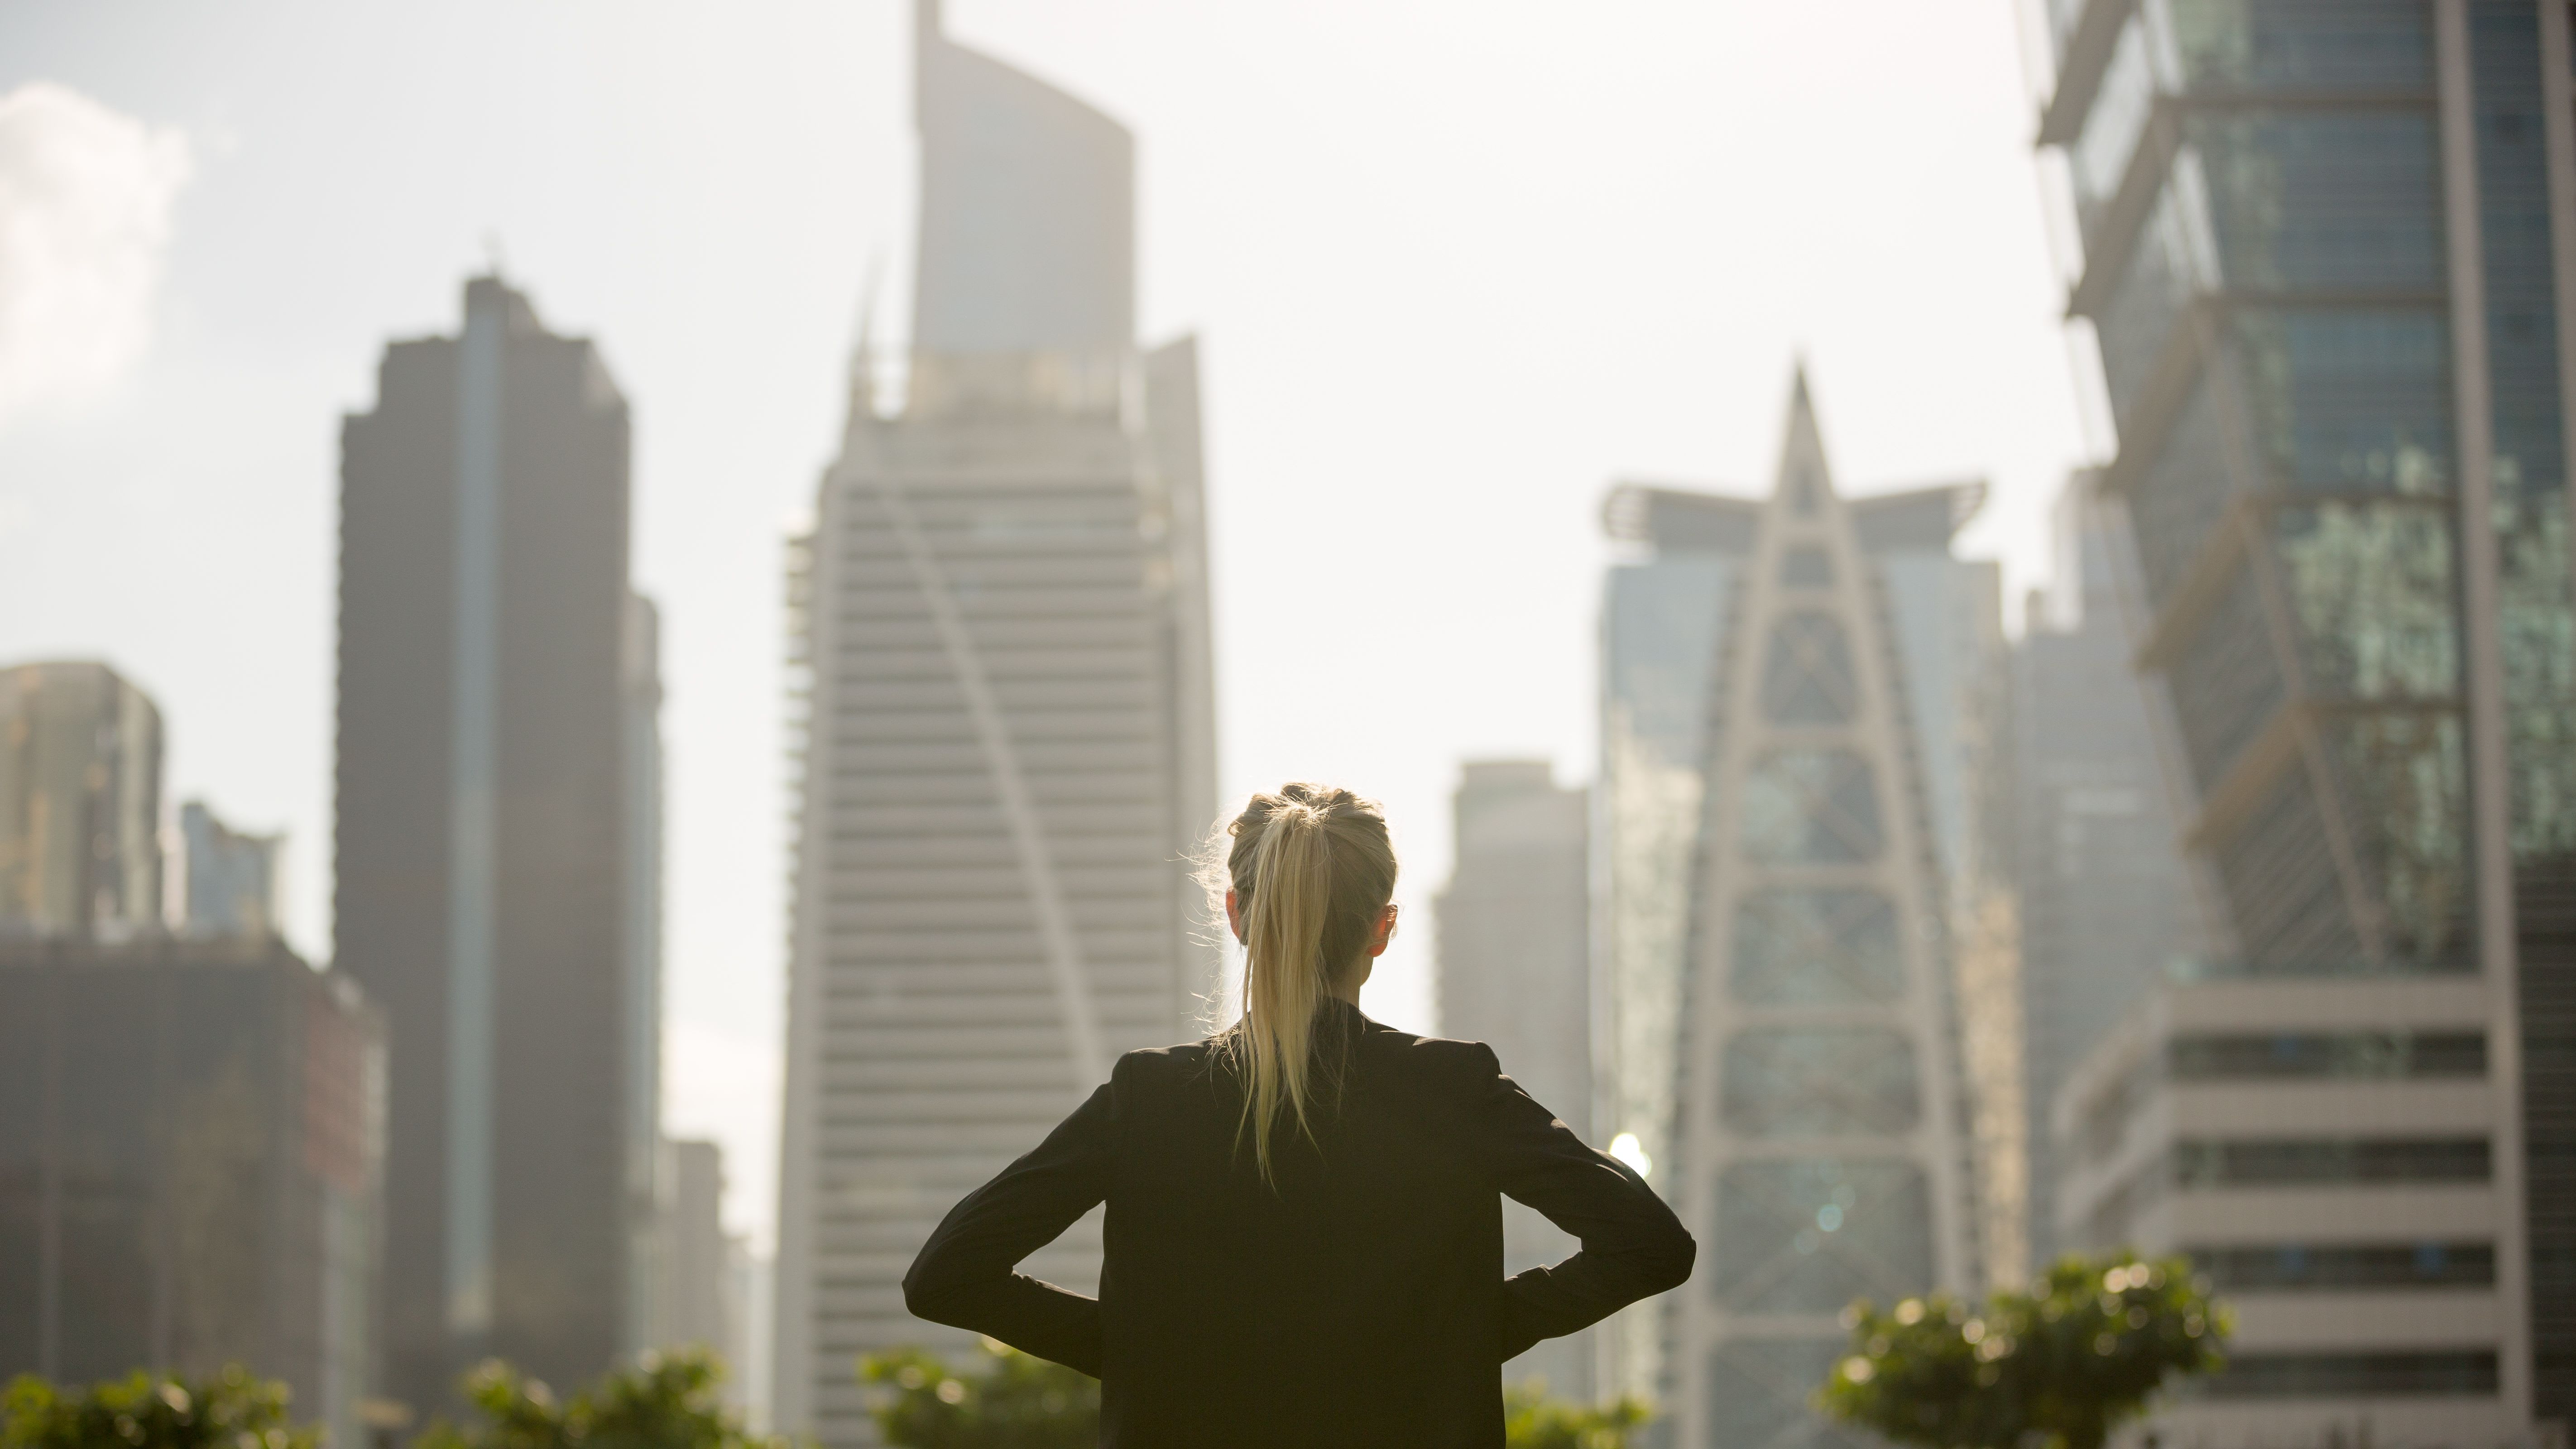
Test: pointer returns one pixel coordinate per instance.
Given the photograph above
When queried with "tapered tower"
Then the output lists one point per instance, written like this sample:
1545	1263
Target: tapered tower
1820	1127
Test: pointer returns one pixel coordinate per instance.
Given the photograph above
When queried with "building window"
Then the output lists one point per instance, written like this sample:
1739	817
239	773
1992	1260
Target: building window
2238	1056
2301	1267
1810	1235
1810	807
1807	678
1816	947
2354	1375
1824	1082
2314	1161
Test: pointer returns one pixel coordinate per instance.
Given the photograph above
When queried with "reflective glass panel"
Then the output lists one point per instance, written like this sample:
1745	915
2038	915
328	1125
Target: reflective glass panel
2305	44
1818	1083
1808	1235
1807	677
1816	947
2322	198
1810	806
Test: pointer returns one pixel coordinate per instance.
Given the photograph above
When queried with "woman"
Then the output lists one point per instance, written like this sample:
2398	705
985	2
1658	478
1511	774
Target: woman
1304	1242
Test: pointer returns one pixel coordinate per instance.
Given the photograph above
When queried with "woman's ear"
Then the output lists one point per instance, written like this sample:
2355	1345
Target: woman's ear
1234	915
1384	933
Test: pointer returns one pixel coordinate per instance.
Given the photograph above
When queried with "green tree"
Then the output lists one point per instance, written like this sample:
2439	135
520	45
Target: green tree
664	1402
1532	1420
230	1410
2060	1366
1015	1402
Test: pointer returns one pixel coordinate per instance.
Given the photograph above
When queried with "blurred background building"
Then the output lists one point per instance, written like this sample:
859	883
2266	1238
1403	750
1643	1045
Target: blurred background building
191	1159
2104	905
1007	742
192	1123
230	876
1802	774
1514	937
1820	1130
2328	253
496	847
80	803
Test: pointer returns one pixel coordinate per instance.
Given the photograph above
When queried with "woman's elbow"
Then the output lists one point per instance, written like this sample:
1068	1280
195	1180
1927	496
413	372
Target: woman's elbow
929	1293
1670	1264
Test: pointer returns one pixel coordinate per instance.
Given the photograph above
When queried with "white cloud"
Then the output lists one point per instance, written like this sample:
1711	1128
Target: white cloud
85	198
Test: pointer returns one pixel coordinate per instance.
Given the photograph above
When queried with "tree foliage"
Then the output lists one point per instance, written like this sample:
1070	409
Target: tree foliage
661	1403
2061	1365
1532	1420
229	1410
1014	1402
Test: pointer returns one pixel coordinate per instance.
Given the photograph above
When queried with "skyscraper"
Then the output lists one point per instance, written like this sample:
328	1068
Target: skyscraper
1007	742
1512	962
495	825
2105	906
80	802
1793	778
2330	254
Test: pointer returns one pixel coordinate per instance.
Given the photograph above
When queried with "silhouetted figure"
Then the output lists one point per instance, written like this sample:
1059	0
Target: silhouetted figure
1304	1242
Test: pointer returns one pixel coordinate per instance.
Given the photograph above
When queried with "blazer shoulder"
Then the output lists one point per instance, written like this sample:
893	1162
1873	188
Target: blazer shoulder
1463	1065
1183	1061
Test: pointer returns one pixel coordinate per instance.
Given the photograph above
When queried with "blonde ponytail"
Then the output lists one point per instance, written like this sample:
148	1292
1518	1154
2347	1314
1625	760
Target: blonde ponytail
1312	874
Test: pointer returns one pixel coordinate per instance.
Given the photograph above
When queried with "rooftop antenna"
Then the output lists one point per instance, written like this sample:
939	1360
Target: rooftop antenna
863	380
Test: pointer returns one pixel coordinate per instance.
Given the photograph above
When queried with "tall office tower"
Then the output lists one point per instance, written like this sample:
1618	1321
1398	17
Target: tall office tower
495	832
2330	254
191	1159
2105	906
1007	742
1791	780
230	876
1512	968
80	803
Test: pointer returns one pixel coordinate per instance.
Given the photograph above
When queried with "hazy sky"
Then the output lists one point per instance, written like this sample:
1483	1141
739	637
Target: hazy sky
1455	267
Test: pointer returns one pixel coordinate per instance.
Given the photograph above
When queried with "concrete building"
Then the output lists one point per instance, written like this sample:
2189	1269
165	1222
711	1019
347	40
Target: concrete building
230	876
2105	906
2329	251
1006	738
1777	956
1512	968
2323	1152
495	845
80	803
695	1308
191	1156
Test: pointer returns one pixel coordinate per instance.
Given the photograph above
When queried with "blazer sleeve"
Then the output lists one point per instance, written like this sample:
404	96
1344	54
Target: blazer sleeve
965	1274
1633	1246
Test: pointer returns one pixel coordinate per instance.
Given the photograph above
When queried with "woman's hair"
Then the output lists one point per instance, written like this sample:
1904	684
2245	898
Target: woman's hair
1312	874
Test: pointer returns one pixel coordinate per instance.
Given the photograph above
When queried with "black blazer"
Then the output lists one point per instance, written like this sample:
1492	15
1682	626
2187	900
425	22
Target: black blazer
1360	1303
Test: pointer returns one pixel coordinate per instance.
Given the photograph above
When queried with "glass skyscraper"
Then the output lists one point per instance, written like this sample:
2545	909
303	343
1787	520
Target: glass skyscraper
1793	821
2327	250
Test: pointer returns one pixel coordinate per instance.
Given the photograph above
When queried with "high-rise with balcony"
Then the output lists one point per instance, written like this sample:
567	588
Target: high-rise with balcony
496	846
2329	251
1006	739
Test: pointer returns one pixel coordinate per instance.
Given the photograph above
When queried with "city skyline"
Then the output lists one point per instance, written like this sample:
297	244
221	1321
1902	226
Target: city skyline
726	323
